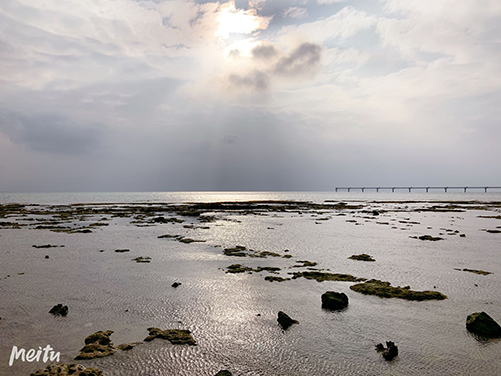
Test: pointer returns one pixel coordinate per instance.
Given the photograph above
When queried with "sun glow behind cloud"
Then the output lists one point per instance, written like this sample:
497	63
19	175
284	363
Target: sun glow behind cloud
239	21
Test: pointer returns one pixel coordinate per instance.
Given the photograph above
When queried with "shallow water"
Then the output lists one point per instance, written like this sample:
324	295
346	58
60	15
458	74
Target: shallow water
108	291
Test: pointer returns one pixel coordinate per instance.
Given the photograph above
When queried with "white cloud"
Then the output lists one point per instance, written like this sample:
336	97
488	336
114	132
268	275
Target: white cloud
295	12
330	1
345	23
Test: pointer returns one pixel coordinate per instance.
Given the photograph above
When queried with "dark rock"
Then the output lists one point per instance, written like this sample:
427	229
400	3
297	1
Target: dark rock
362	257
174	336
375	212
122	250
482	324
285	321
60	369
223	373
334	300
389	352
46	256
97	345
272	278
431	238
176	284
142	259
59	310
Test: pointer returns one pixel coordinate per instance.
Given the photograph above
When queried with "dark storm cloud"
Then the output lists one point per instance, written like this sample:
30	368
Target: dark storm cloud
50	133
303	60
255	80
265	52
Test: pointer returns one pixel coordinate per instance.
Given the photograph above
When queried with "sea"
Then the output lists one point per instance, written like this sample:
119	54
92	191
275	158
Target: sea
233	317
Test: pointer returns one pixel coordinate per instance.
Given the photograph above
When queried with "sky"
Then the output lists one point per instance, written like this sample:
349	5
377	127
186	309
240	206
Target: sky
266	95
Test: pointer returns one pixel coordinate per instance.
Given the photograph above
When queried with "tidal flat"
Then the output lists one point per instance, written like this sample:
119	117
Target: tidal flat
236	265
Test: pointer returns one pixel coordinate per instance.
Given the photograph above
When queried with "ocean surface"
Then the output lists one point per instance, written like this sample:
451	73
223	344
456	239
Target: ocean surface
178	197
233	317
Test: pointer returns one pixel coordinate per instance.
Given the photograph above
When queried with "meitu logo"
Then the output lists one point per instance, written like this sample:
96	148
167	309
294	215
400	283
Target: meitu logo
34	355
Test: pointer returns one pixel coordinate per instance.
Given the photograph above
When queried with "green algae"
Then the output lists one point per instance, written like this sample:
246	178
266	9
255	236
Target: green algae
385	290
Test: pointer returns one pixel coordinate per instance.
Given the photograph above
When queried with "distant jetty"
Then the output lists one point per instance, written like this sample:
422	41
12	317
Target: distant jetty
393	189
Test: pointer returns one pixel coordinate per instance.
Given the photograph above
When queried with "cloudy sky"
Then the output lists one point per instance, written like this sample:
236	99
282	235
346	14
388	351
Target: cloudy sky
152	95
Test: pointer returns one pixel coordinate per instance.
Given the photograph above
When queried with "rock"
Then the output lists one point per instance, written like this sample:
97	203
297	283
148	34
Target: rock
334	300
60	369
385	290
141	259
389	352
59	310
97	345
324	276
482	324
431	238
362	257
176	284
122	250
174	336
375	212
128	346
46	256
271	278
285	321
223	373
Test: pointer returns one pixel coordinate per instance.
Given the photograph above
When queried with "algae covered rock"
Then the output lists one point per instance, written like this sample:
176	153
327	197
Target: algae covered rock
285	321
61	369
174	336
97	345
59	310
128	346
385	290
389	352
223	373
334	300
483	325
362	257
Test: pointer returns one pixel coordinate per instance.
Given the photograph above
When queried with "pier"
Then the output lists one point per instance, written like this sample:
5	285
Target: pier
427	189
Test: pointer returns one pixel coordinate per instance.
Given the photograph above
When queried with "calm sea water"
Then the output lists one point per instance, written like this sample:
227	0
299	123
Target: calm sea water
177	197
233	316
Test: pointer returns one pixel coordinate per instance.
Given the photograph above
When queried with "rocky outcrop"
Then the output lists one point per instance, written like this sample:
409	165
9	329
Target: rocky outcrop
362	257
174	336
59	310
483	325
285	321
385	290
389	352
223	373
97	345
334	300
60	369
128	346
